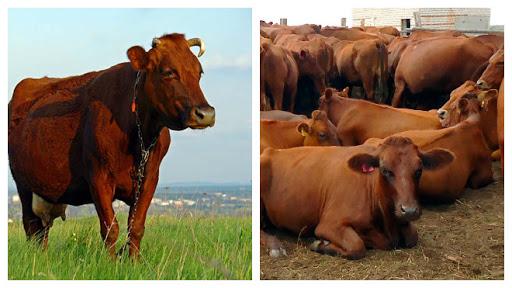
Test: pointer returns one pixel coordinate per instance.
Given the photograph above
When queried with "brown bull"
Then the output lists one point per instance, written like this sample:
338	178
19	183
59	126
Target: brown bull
315	62
350	198
493	73
279	73
438	66
389	30
456	111
471	167
357	120
317	131
363	61
501	124
281	116
398	45
351	34
84	139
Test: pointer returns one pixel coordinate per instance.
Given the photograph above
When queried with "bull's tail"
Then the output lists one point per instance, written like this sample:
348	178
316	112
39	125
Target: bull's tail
382	74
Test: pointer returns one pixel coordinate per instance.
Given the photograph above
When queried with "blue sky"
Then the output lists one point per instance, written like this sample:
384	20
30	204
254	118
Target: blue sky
65	42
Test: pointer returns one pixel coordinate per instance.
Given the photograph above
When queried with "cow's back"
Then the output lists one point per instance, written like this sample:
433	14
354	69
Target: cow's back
44	122
299	184
361	120
446	62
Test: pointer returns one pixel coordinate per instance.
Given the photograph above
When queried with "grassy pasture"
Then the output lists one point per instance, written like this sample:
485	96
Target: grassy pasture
187	247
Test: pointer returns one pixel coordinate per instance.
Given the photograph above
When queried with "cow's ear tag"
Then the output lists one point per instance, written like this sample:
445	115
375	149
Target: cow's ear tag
365	168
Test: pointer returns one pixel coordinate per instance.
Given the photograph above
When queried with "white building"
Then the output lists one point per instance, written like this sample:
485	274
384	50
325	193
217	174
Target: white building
433	18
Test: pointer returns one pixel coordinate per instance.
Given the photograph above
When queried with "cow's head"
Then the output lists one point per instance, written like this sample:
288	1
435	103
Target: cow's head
493	74
400	164
172	74
328	102
468	87
318	131
469	104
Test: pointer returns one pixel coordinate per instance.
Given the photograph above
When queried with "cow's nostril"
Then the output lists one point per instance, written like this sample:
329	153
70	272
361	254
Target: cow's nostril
402	209
441	113
199	114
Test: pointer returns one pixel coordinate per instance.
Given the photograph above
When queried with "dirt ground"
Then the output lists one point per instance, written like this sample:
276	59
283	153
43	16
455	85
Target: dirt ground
463	240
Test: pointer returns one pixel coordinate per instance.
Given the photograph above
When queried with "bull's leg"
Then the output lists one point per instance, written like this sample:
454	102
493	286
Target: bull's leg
481	176
273	245
408	235
343	240
277	91
399	91
32	224
292	93
137	216
103	194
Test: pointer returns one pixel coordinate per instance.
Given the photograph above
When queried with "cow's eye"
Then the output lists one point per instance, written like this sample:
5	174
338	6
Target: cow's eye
168	74
387	173
417	174
321	135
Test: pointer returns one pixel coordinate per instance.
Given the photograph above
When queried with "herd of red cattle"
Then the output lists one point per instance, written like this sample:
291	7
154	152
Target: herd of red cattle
366	193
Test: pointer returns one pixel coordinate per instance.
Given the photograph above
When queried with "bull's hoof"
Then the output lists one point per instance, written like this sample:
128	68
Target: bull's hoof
323	247
277	252
122	250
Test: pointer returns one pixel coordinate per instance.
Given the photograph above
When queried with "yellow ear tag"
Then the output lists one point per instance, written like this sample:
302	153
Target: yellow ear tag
303	133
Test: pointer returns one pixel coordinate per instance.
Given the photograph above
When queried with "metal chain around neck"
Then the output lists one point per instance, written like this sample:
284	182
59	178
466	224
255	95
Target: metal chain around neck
144	152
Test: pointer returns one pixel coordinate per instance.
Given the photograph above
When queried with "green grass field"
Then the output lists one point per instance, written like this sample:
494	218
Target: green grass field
192	247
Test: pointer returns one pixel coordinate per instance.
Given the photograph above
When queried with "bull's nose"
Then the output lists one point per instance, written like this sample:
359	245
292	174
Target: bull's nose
441	113
481	84
202	116
410	212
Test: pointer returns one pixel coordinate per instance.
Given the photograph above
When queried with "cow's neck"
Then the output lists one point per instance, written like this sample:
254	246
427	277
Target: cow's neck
150	124
335	112
149	120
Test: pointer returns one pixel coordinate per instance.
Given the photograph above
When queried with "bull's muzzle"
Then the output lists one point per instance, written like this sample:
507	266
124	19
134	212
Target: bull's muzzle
409	213
441	113
201	117
481	84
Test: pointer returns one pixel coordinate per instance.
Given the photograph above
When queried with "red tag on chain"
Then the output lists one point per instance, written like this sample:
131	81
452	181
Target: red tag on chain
134	106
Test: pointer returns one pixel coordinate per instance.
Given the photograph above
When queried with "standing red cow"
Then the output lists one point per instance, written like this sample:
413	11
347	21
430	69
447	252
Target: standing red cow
86	139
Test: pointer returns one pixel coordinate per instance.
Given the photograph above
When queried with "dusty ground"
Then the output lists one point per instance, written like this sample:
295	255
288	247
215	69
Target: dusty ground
459	241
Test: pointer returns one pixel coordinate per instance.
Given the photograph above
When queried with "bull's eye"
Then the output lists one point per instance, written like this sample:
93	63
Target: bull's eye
321	135
387	173
168	74
417	174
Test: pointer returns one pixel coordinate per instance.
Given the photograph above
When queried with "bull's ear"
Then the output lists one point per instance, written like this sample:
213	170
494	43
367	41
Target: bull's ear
138	57
463	104
345	92
485	98
328	93
363	163
303	129
436	158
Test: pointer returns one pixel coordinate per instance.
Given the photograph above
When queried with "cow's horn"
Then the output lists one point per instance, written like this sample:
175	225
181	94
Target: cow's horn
197	42
155	42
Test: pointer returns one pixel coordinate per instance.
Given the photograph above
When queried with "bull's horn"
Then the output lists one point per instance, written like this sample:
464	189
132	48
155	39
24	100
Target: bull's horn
197	42
155	42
